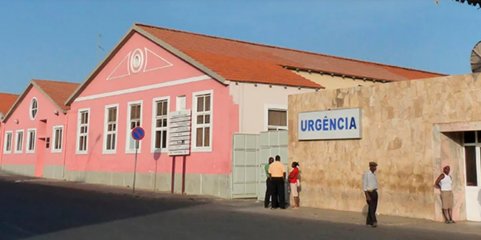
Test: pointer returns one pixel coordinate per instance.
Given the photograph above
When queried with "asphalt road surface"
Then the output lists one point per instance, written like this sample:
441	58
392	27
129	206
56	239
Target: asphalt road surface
33	209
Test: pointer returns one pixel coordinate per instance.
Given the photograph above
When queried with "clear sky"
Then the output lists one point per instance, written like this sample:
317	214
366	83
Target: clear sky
60	39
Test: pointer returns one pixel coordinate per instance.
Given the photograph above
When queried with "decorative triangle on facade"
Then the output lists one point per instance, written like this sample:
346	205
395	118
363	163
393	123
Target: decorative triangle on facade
122	69
138	60
154	61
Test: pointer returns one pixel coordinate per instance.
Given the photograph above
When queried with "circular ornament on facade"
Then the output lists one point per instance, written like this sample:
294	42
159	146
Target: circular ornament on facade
136	60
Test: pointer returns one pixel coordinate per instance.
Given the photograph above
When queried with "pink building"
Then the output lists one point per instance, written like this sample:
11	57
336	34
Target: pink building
189	92
34	129
6	102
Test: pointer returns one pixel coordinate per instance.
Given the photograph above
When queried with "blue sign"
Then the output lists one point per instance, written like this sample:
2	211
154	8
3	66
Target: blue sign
138	133
330	124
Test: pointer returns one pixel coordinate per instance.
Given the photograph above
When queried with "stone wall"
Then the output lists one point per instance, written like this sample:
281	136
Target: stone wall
400	130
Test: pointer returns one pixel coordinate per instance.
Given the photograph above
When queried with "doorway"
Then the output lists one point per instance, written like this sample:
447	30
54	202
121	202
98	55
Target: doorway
472	150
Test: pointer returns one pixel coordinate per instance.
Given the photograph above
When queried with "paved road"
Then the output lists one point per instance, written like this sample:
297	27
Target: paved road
39	209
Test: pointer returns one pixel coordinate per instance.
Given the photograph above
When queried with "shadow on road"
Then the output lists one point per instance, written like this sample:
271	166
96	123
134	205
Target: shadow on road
28	209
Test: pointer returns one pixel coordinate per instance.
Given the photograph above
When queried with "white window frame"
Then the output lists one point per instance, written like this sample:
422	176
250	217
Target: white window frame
154	126
79	117
128	131
275	107
53	147
30	109
29	132
6	139
180	103
17	140
107	132
194	148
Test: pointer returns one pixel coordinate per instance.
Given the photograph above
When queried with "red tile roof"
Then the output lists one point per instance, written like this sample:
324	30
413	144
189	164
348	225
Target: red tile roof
244	61
58	91
6	101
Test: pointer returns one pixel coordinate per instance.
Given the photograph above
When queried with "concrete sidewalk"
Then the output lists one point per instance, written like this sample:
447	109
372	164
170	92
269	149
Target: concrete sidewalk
357	218
255	207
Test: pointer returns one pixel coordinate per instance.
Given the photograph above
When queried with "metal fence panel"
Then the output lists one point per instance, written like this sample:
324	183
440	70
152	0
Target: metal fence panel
250	155
244	166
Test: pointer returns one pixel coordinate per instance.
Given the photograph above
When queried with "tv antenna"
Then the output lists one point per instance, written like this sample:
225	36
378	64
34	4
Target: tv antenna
100	49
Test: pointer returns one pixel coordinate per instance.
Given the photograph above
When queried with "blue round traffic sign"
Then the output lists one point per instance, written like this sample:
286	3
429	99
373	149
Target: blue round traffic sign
138	133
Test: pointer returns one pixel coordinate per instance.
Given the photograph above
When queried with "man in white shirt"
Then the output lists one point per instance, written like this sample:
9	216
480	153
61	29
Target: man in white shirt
369	184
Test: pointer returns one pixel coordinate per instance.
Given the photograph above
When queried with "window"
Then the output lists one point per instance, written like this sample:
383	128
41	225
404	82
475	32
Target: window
83	130
19	141
202	121
276	119
110	129
7	147
470	158
160	124
470	137
33	108
134	120
31	134
57	134
180	103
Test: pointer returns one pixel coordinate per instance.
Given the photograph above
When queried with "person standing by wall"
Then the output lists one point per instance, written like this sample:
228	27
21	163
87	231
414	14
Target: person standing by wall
293	183
369	183
278	174
268	196
445	183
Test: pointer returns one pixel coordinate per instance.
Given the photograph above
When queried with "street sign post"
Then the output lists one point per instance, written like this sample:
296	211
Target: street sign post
138	134
179	141
179	133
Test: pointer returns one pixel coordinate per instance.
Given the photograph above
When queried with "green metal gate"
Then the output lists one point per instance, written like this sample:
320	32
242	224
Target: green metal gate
250	155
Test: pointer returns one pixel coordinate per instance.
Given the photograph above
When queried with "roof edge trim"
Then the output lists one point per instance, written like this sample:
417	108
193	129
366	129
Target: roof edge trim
179	54
24	94
130	32
34	82
17	102
280	85
99	67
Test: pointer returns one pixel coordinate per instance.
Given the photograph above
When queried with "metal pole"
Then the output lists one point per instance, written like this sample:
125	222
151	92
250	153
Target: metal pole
155	176
173	175
135	164
183	175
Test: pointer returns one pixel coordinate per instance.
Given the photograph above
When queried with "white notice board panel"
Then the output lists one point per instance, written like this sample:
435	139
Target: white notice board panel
330	124
179	133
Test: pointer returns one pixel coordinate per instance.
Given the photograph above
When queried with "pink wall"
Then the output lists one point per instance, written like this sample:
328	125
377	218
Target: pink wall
2	135
167	67
162	68
41	156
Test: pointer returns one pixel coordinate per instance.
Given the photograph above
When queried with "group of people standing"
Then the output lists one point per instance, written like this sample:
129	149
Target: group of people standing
275	184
